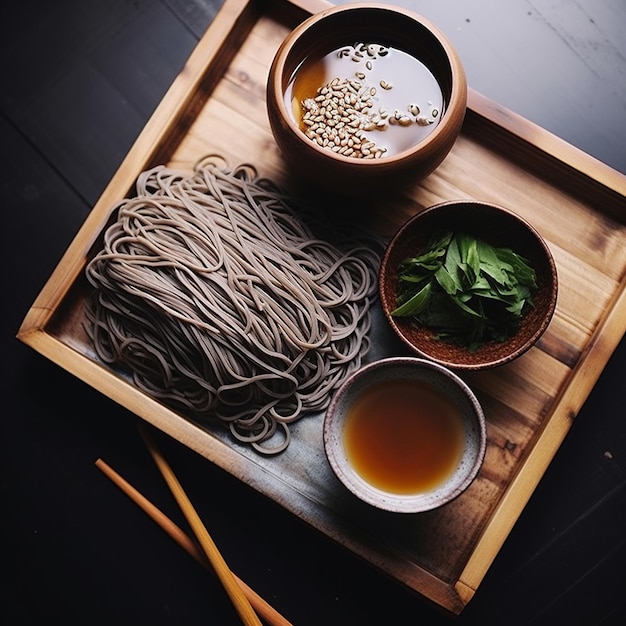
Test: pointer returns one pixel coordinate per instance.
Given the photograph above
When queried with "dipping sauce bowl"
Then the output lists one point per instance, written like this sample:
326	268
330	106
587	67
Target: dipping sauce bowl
405	435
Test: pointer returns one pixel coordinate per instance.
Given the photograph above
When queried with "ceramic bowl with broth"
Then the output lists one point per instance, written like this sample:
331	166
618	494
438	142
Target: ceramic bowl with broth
405	435
361	97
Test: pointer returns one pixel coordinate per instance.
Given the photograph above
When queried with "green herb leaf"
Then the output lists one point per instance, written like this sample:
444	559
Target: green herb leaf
447	283
466	290
415	304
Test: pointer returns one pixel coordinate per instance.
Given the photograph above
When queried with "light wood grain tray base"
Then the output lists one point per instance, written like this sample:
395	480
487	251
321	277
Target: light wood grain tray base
217	105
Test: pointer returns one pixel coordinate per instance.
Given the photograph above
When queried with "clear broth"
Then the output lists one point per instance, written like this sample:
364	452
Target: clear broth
410	87
404	437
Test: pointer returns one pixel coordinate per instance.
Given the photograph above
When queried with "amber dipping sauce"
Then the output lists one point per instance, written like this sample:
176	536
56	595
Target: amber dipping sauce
403	437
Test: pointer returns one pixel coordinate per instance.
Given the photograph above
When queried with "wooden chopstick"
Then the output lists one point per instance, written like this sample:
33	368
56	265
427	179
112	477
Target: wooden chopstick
266	610
234	591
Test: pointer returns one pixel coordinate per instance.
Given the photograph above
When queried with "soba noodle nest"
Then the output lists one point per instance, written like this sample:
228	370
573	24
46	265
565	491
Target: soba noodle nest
213	293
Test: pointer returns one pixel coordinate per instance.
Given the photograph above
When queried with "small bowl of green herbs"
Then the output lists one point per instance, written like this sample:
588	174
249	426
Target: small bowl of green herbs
468	284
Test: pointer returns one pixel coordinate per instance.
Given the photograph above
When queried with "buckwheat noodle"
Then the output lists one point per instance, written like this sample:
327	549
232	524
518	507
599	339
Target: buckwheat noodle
215	295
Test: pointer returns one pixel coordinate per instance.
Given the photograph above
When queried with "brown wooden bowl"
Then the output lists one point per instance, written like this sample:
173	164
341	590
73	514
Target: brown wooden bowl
496	226
381	24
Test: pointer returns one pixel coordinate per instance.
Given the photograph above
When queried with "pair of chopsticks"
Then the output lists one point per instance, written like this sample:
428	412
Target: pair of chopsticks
245	599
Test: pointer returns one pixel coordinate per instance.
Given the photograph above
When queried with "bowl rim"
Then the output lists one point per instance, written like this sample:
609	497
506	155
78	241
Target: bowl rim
458	93
387	501
509	214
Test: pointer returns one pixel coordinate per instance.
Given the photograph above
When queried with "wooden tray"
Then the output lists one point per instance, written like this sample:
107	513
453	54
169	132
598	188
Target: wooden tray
216	105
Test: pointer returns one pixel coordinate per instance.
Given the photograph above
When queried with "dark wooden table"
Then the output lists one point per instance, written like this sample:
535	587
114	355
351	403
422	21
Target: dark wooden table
79	81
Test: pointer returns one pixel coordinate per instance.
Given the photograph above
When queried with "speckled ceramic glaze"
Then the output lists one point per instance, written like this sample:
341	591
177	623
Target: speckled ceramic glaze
437	376
343	25
497	226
